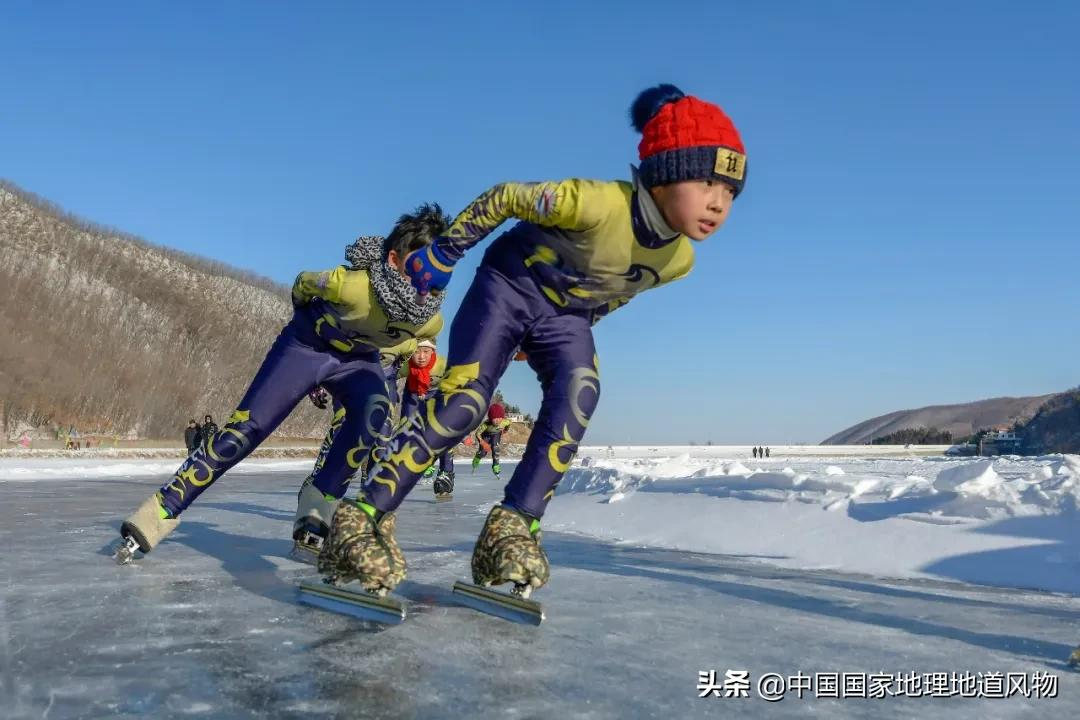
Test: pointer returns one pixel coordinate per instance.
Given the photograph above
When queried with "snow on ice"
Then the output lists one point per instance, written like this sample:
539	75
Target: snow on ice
1009	521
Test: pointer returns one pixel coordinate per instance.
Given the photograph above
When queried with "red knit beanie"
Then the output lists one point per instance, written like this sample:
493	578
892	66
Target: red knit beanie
496	412
684	138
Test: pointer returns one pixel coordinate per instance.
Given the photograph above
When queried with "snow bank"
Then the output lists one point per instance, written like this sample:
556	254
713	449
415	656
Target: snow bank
1008	521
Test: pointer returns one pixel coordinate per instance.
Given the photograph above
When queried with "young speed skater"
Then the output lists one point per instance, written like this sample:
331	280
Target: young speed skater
341	319
422	373
490	434
581	249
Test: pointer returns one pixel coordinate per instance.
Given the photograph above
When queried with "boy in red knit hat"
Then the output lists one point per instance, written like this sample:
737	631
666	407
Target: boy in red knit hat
582	249
490	433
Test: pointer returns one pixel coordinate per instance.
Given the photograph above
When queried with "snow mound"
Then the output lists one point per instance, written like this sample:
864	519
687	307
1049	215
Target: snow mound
979	474
833	470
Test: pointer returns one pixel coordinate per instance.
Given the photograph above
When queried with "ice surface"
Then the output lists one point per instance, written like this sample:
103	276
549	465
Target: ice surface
208	625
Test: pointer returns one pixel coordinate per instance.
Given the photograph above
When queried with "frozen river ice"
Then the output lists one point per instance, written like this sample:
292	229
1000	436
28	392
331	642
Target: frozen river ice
208	625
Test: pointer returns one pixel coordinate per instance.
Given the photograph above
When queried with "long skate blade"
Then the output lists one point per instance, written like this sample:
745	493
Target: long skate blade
503	605
361	605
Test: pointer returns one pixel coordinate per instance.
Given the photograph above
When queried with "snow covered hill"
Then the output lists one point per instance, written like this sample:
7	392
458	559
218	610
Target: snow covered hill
961	420
115	335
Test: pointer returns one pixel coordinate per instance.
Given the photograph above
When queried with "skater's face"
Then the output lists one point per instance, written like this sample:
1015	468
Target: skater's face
696	208
422	355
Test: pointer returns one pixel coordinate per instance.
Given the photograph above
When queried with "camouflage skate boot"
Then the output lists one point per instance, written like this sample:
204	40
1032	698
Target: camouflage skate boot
508	550
362	548
1074	659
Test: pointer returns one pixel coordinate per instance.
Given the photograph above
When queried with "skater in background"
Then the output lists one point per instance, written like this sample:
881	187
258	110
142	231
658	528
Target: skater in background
489	436
581	250
754	450
422	374
342	318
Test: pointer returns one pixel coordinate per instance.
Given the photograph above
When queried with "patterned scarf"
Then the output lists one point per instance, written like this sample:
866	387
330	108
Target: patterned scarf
396	293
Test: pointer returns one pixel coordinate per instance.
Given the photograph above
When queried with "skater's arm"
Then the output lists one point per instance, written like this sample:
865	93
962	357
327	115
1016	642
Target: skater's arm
326	285
577	205
574	205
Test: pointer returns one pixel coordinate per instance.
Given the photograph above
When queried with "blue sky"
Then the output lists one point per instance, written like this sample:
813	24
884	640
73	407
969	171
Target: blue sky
907	235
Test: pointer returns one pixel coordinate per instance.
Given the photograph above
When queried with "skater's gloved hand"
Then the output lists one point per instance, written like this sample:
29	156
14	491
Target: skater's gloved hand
319	397
520	356
429	269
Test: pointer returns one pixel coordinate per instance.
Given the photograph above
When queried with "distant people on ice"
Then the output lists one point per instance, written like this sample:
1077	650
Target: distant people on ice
192	435
342	319
754	450
208	430
581	250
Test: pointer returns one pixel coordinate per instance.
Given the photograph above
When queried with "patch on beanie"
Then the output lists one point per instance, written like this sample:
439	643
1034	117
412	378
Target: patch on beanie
730	164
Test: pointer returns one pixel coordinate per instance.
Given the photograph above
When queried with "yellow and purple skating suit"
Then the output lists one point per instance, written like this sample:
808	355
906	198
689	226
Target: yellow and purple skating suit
334	339
582	249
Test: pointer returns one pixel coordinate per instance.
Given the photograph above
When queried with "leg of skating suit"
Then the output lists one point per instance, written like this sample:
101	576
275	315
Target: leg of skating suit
328	439
382	445
361	387
295	364
561	351
446	461
493	441
492	321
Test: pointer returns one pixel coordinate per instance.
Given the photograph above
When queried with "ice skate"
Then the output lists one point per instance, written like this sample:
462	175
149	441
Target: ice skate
444	486
314	512
362	549
427	477
508	551
143	530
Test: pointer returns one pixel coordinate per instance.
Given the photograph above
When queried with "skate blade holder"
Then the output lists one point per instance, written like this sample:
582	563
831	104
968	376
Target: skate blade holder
358	604
125	550
304	553
508	606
